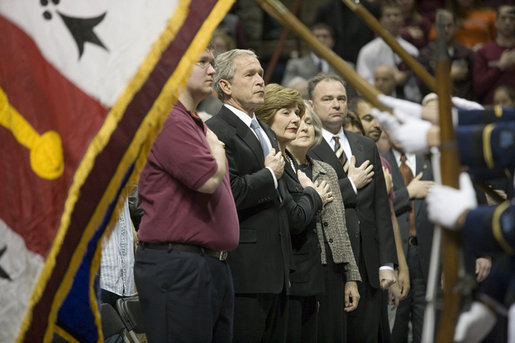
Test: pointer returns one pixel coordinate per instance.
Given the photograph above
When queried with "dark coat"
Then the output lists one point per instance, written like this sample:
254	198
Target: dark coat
367	213
402	206
263	259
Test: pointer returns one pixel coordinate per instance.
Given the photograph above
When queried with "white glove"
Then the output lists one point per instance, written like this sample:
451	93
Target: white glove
409	108
411	134
465	104
446	204
475	324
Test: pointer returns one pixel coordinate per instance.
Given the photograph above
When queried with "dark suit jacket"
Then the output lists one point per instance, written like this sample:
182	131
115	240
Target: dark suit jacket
262	261
402	207
307	277
367	214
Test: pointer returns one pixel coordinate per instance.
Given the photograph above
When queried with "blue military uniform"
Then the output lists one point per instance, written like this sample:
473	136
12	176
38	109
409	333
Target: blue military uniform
486	142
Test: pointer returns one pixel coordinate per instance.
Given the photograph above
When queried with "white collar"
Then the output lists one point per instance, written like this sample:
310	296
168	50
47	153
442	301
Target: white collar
328	136
411	159
244	117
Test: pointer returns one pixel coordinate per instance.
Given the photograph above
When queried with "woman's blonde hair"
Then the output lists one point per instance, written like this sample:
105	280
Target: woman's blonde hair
277	97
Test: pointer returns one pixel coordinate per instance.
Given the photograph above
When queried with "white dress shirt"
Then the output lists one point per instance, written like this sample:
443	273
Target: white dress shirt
411	161
317	60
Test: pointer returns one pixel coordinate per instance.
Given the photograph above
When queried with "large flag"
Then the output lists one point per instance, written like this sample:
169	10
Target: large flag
84	89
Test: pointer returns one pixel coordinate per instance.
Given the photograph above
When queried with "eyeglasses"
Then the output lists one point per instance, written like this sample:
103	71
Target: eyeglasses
204	64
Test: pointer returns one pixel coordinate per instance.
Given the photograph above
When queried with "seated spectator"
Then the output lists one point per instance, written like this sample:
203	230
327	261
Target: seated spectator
300	84
428	8
310	64
504	96
384	80
222	41
378	52
462	60
416	27
475	24
494	64
233	26
350	32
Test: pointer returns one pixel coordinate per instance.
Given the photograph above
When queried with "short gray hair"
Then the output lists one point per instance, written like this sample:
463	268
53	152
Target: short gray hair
224	65
317	125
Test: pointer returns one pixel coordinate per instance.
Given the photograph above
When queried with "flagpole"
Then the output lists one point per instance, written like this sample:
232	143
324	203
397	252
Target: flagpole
450	177
434	266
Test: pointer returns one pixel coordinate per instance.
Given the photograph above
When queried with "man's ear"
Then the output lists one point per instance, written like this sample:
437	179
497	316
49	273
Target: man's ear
310	102
225	86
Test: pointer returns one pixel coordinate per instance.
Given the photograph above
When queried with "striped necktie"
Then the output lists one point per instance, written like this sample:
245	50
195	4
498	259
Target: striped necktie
338	150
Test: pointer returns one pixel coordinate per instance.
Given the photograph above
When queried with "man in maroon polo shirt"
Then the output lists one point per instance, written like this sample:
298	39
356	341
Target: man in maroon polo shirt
190	222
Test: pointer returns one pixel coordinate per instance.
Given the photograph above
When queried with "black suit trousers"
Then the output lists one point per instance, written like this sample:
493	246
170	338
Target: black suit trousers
364	323
261	317
332	320
185	297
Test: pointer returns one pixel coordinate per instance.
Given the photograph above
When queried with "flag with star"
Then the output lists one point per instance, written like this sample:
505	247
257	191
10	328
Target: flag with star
84	89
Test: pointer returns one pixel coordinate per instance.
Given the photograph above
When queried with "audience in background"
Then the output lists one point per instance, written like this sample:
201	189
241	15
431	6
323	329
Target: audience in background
350	32
494	63
378	52
309	65
300	84
416	27
475	24
222	41
504	96
462	59
384	80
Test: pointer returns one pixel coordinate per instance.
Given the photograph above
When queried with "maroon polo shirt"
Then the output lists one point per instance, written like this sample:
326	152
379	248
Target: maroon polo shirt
179	163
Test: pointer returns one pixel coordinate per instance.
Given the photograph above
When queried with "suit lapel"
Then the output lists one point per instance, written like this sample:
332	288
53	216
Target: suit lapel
244	132
356	148
323	152
396	174
288	168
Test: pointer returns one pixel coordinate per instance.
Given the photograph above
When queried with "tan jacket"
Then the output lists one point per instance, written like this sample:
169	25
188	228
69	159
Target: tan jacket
332	223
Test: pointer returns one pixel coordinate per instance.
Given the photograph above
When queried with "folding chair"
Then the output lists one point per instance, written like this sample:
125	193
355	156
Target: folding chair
130	313
112	324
